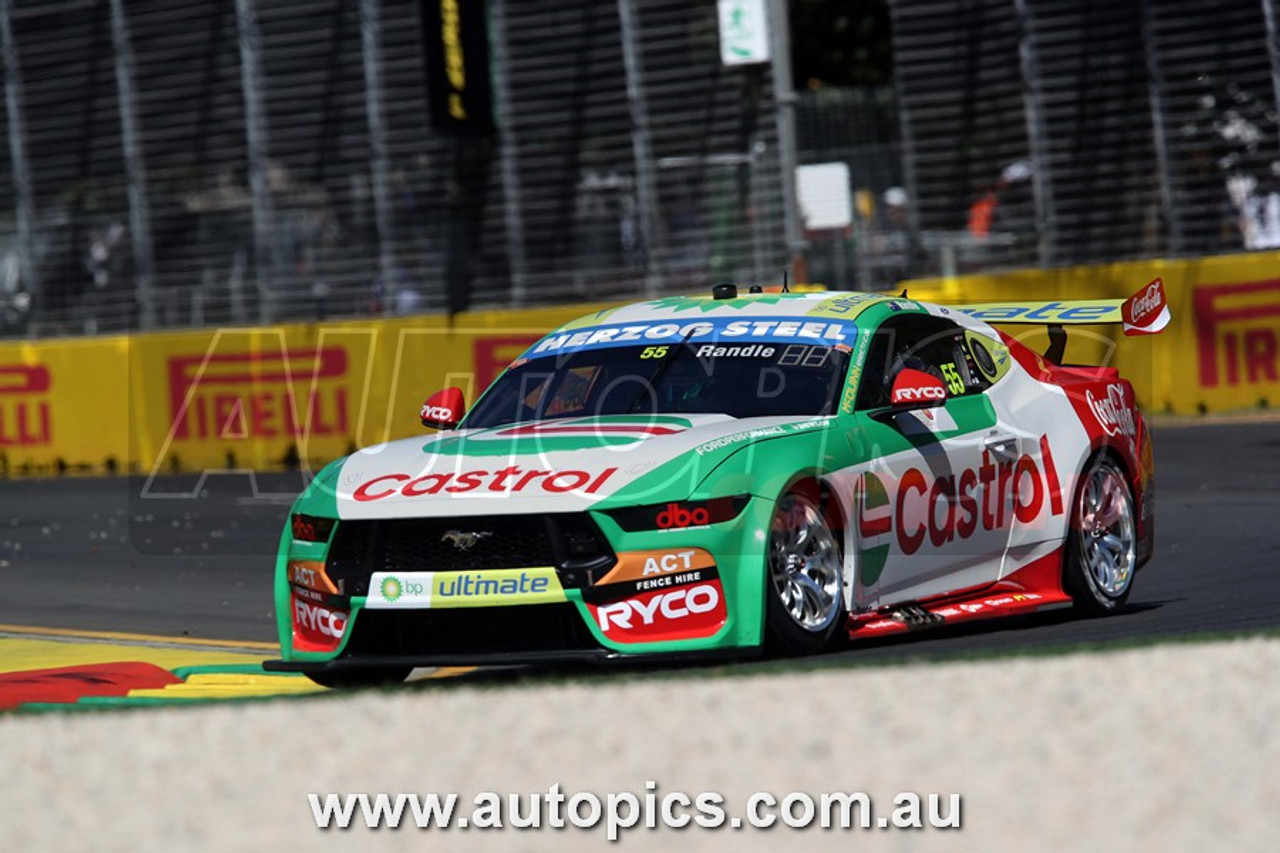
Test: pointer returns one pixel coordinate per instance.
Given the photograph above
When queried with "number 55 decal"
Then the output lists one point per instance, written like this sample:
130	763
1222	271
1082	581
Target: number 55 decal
955	385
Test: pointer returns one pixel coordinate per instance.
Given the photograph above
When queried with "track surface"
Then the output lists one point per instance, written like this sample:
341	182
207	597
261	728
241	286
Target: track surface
102	555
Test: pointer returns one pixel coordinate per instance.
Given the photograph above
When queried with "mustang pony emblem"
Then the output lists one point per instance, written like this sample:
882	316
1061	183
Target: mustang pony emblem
465	541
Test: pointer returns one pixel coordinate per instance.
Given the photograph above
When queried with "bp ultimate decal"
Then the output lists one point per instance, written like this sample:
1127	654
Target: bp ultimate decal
433	590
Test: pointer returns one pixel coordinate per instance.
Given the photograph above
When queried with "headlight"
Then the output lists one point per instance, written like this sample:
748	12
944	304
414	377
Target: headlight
678	515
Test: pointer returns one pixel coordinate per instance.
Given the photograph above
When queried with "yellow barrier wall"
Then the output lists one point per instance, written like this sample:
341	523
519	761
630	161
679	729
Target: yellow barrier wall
250	398
1220	353
244	398
63	399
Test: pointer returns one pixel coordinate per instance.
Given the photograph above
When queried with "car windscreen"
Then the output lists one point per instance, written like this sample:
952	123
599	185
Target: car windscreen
746	379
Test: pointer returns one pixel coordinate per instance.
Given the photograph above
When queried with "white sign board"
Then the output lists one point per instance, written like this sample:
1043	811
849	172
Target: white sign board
744	32
825	200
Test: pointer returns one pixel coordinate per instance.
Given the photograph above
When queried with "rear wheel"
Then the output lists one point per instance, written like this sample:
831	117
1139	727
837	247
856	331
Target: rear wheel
349	678
1101	552
804	597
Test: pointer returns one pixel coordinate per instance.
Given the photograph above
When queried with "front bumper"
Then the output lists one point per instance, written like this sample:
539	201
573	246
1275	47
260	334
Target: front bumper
692	607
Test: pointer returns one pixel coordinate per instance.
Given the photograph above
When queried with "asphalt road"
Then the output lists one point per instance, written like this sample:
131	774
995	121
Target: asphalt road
178	557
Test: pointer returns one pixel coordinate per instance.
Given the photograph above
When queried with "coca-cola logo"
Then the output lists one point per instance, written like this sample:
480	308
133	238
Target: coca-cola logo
1114	413
1147	311
1149	302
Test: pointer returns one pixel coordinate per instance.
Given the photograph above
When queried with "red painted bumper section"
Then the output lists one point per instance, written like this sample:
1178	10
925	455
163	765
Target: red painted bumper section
1036	586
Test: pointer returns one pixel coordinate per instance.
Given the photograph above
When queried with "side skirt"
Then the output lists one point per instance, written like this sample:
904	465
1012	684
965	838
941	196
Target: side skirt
1035	587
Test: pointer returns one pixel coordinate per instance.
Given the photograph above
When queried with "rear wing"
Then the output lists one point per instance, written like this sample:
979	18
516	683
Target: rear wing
1144	313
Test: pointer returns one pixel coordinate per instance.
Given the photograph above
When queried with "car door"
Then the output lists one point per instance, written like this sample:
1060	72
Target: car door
1038	419
932	505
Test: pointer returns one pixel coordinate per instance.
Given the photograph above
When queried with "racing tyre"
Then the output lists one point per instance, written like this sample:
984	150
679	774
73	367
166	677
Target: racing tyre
804	599
1101	548
350	678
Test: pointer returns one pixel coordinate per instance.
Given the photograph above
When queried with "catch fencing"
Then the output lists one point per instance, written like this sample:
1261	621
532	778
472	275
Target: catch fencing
265	161
273	160
1042	133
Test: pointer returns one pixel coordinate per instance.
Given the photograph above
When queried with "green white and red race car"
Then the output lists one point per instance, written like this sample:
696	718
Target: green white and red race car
698	476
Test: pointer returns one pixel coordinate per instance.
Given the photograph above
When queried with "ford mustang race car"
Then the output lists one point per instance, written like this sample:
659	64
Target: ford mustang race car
730	474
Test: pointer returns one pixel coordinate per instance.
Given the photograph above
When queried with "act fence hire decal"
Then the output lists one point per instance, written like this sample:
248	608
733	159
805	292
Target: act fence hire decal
654	596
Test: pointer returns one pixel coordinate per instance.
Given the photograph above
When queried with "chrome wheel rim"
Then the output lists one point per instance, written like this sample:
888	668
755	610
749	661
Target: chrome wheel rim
1107	541
805	564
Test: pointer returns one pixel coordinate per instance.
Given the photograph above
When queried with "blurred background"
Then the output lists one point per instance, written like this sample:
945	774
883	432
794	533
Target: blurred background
183	165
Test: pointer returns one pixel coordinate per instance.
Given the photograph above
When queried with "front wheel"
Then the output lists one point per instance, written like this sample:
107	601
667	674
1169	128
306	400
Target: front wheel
804	608
1101	550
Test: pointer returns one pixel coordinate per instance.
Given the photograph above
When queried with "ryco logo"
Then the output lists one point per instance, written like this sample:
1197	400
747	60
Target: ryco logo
914	386
911	395
675	605
438	413
319	624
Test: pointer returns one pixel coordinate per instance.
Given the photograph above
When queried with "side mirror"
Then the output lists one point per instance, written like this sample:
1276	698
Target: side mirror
915	389
444	409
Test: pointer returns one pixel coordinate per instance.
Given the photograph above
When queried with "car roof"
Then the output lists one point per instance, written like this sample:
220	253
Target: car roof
838	305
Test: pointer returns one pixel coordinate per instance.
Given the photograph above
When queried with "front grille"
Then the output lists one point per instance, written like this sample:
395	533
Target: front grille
469	631
568	541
